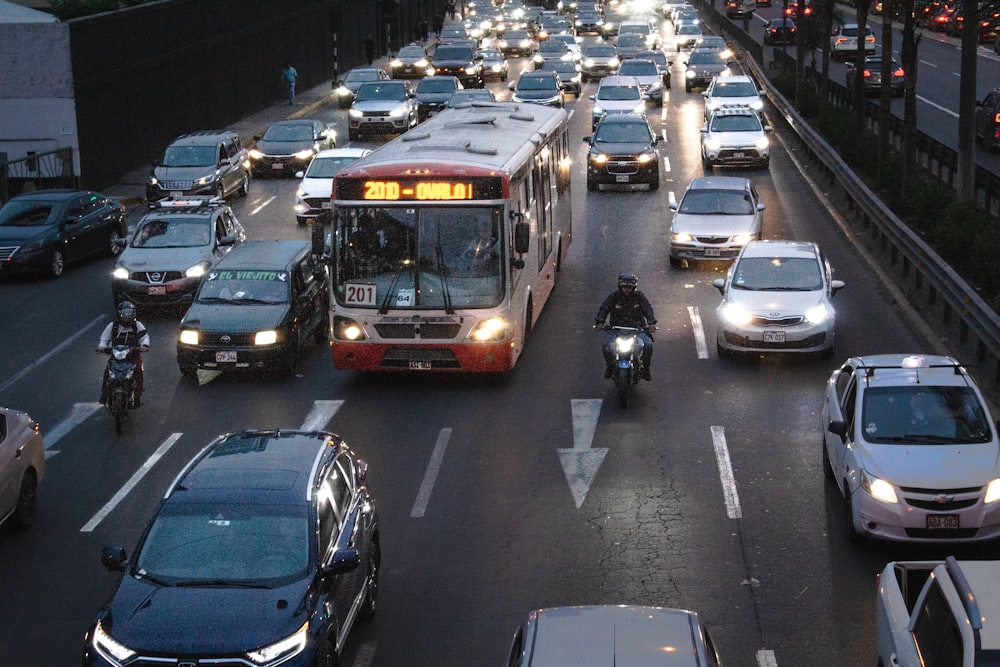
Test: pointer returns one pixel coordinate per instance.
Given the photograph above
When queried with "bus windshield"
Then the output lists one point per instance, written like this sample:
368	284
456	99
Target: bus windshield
440	257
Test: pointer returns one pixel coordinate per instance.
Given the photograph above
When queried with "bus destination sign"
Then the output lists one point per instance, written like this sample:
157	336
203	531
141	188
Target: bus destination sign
418	189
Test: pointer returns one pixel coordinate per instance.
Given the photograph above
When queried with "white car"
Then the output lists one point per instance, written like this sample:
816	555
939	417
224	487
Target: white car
715	218
735	136
734	90
686	34
316	189
22	466
617	94
913	449
844	41
777	297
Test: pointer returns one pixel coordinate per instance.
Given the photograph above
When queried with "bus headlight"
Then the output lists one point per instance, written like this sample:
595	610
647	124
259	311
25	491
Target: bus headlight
344	328
493	329
268	337
188	337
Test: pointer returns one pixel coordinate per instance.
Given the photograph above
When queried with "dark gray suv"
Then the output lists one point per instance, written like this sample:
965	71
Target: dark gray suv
210	162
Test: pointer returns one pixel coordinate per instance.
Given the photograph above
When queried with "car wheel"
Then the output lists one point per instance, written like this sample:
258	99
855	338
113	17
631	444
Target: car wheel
114	247
220	191
370	603
352	135
766	163
654	185
853	536
592	185
57	263
326	655
827	468
706	164
245	185
24	513
721	351
190	373
676	262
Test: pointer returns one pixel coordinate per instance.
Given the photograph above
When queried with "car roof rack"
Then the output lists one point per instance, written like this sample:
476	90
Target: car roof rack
193	201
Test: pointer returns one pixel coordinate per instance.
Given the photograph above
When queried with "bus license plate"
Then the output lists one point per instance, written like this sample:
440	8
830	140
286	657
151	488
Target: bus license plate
942	521
774	336
156	289
621	178
420	365
226	357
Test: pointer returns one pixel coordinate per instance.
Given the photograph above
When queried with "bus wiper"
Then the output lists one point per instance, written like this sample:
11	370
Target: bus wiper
392	290
443	275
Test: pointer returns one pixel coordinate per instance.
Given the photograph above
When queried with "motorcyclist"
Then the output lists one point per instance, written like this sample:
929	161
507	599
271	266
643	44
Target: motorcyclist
627	307
125	330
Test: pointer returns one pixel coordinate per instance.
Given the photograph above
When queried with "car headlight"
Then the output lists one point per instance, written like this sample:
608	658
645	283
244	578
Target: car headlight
197	271
598	158
283	649
615	62
355	113
682	237
762	143
113	651
396	63
343	91
725	72
645	158
120	273
301	192
269	337
878	488
742	239
255	154
495	68
470	69
690	74
992	492
205	180
188	337
398	112
817	314
597	111
735	315
589	62
422	63
640	108
304	154
538	59
152	180
492	329
713	144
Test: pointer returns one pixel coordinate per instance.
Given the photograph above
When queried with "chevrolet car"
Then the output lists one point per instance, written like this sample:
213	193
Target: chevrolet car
623	152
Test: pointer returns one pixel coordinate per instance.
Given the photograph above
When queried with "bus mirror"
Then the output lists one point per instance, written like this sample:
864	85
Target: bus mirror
522	236
519	264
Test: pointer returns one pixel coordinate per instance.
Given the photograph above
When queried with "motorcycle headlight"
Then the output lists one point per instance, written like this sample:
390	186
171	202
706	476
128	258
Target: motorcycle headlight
817	314
113	651
283	649
624	345
255	154
188	337
197	271
735	315
269	337
878	488
492	329
120	273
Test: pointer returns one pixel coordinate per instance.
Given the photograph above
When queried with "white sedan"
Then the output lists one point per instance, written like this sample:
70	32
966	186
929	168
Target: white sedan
316	189
22	466
776	298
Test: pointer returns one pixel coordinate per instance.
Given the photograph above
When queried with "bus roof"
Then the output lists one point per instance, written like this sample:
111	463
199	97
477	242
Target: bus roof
482	139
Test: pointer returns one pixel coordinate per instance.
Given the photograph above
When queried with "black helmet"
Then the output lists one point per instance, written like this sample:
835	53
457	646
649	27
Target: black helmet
627	280
126	313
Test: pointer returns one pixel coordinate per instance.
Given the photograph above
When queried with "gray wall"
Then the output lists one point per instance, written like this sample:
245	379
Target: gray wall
147	74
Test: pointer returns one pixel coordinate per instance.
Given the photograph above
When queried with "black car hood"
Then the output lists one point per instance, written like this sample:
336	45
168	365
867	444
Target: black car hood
627	148
283	147
27	233
460	62
234	317
537	94
202	621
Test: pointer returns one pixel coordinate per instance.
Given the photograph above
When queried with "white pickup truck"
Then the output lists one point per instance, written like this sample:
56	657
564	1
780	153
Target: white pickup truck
944	613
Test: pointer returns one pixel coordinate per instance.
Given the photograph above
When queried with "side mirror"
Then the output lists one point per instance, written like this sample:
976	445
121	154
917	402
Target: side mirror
114	558
838	427
522	237
768	128
256	137
344	560
657	139
228	239
587	139
836	285
300	174
720	284
512	86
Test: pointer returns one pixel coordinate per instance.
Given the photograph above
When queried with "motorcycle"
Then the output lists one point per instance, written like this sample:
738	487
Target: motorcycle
628	362
121	383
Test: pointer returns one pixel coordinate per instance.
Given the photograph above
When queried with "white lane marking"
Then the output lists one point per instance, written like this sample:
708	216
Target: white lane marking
263	204
58	348
699	332
320	415
666	164
937	106
765	658
78	415
726	473
130	484
366	653
928	63
581	463
433	467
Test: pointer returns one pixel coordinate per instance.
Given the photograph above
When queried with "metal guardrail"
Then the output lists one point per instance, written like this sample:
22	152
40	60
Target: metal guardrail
906	252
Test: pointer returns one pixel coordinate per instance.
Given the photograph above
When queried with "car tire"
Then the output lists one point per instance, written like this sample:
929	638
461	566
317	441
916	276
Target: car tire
853	536
370	604
827	468
27	497
766	163
721	351
676	262
189	373
114	247
220	192
706	164
244	185
654	184
352	135
326	655
57	263
592	185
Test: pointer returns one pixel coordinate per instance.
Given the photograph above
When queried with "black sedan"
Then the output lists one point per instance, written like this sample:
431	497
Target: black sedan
779	31
433	93
288	146
872	76
623	152
41	231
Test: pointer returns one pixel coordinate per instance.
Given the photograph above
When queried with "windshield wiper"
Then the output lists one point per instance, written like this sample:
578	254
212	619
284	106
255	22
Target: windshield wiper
442	275
220	583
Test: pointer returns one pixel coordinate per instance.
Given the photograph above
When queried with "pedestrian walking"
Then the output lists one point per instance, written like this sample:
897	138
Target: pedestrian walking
288	77
370	48
425	29
438	24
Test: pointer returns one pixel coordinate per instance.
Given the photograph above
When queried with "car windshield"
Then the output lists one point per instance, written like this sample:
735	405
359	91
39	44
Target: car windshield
924	414
734	89
632	39
190	156
245	286
716	202
288	132
27	213
411	52
381	91
687	29
420	257
735	123
658	57
849	32
552	47
437	86
219	544
536	83
600	51
453	53
622	133
705	58
173	232
618	93
327	167
638	68
453	32
777	274
366	75
491	55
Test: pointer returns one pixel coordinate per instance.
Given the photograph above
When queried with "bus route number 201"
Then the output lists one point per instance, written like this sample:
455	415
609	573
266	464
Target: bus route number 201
360	294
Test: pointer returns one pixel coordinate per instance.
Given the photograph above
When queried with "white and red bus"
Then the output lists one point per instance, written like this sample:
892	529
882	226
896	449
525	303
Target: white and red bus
446	242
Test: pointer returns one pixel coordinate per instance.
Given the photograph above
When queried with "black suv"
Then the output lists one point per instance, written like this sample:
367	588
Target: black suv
623	152
256	309
210	162
433	93
459	61
264	551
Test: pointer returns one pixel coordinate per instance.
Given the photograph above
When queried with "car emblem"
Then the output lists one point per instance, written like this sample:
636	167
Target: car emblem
226	338
187	664
943	498
156	276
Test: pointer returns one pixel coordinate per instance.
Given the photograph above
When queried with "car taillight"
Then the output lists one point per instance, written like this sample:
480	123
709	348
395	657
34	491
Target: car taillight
898	72
867	73
996	118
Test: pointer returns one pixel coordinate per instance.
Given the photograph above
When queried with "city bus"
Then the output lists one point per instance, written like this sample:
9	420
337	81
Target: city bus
445	243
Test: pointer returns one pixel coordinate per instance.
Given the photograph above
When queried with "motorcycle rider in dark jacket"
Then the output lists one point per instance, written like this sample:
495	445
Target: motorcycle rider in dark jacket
125	330
627	307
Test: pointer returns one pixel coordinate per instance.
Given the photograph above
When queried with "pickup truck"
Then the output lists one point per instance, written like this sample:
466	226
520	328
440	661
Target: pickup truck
939	613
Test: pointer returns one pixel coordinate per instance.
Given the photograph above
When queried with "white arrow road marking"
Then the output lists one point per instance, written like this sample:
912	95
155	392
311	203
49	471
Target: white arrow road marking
726	473
699	332
320	415
430	475
765	658
78	415
130	484
581	463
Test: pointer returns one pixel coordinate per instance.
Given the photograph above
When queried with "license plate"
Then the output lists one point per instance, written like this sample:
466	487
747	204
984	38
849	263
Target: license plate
774	336
226	357
942	521
738	154
176	194
713	252
621	178
278	165
156	289
420	365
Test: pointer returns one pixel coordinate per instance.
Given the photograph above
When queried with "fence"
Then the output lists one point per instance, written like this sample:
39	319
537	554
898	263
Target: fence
52	169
